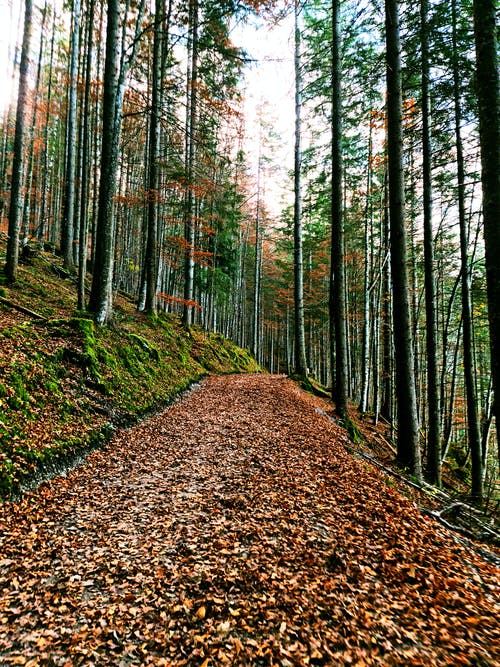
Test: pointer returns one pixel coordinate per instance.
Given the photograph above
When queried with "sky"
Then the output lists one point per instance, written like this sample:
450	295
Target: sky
269	87
5	28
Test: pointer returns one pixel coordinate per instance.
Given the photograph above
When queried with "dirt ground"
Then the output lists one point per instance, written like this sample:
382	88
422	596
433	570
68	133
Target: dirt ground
235	529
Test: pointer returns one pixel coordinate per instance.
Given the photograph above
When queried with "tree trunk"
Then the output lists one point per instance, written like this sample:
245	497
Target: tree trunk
256	343
408	454
16	197
337	272
115	70
67	227
30	190
387	400
485	31
300	345
85	173
433	468
151	258
191	115
100	302
365	348
473	426
448	417
256	338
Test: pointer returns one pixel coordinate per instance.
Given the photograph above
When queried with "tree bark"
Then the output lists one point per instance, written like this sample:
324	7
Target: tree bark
337	272
485	31
408	453
115	71
85	173
29	191
151	258
473	427
300	344
100	302
191	115
16	189
365	348
433	468
67	226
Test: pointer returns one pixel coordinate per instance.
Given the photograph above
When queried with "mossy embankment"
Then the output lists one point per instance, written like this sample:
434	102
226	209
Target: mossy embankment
65	383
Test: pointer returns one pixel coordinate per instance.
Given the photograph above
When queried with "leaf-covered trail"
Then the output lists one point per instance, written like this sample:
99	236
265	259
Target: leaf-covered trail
234	529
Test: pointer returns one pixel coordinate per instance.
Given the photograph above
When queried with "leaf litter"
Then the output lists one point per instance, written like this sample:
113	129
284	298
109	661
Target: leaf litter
235	529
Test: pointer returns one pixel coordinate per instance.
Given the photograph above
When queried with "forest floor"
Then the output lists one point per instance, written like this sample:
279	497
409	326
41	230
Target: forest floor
235	528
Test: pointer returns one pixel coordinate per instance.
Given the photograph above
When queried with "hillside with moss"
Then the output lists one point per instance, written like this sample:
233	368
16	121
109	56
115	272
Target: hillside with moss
66	383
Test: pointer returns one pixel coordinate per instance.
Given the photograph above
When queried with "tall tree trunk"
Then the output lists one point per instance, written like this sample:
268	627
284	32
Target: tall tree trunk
408	453
485	31
448	416
256	342
151	258
67	227
28	198
365	349
256	338
300	344
96	138
100	302
16	196
85	173
191	114
473	427
115	71
433	468
337	273
387	401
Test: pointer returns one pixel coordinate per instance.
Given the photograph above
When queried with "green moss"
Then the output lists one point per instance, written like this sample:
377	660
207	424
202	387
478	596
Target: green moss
52	386
353	431
311	385
20	397
7	476
146	345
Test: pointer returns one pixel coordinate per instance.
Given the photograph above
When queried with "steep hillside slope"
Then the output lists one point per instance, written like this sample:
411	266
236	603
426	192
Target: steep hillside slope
65	383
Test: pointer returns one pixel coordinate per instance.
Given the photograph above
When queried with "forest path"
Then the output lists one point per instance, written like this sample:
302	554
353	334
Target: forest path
234	529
